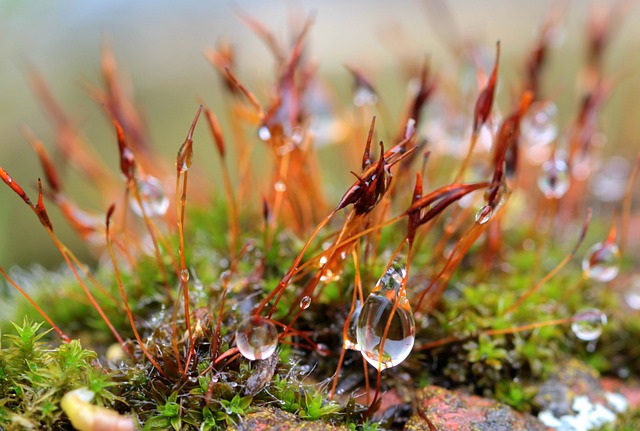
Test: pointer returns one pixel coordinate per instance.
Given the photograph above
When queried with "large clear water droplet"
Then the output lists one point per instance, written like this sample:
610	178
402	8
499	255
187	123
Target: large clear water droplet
538	126
602	262
554	178
256	338
587	324
386	328
154	201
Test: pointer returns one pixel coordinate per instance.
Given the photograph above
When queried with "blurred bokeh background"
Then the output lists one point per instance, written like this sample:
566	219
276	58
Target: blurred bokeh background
159	48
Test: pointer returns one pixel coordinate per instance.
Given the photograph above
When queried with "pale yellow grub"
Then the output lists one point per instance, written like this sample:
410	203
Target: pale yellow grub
88	417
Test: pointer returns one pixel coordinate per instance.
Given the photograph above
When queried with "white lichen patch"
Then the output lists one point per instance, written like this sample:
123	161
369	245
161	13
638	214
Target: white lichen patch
588	415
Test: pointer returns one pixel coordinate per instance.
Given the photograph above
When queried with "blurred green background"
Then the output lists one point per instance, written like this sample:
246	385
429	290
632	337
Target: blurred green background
159	47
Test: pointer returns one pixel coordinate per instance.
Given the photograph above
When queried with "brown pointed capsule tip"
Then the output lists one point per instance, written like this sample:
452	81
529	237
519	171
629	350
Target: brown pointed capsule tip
185	153
485	98
417	190
127	159
216	131
14	186
366	156
41	210
266	211
110	212
50	173
249	95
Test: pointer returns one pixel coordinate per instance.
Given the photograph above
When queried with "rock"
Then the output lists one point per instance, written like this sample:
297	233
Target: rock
573	399
455	411
272	419
631	391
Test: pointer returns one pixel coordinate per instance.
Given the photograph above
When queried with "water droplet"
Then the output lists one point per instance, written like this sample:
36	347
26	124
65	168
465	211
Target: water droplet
184	275
256	338
351	341
323	350
632	294
484	214
609	183
364	96
264	133
587	324
279	186
386	327
538	125
602	262
154	201
305	302
554	178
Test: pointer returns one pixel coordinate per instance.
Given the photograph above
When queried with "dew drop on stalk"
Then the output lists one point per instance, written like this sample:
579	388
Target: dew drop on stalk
264	133
587	324
386	307
632	294
184	275
602	262
538	126
279	186
484	214
364	96
554	178
154	201
256	338
305	302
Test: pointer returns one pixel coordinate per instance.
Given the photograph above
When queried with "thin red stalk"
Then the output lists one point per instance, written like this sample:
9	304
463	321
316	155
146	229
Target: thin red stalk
357	288
44	315
142	345
554	271
626	206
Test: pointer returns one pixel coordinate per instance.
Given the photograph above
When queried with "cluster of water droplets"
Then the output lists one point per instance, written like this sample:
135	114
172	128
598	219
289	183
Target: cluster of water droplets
385	331
154	201
256	338
587	324
602	262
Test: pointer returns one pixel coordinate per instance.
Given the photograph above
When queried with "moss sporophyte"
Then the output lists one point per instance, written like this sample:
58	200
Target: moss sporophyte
438	265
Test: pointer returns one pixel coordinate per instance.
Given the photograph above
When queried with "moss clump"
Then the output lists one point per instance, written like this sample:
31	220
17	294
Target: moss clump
481	257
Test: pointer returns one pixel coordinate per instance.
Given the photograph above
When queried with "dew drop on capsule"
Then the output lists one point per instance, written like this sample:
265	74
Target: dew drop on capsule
554	179
602	262
184	275
154	201
587	324
484	214
305	302
364	96
256	338
379	349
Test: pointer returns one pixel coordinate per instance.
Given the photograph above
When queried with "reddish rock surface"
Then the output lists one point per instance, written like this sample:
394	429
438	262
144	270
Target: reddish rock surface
453	411
630	391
